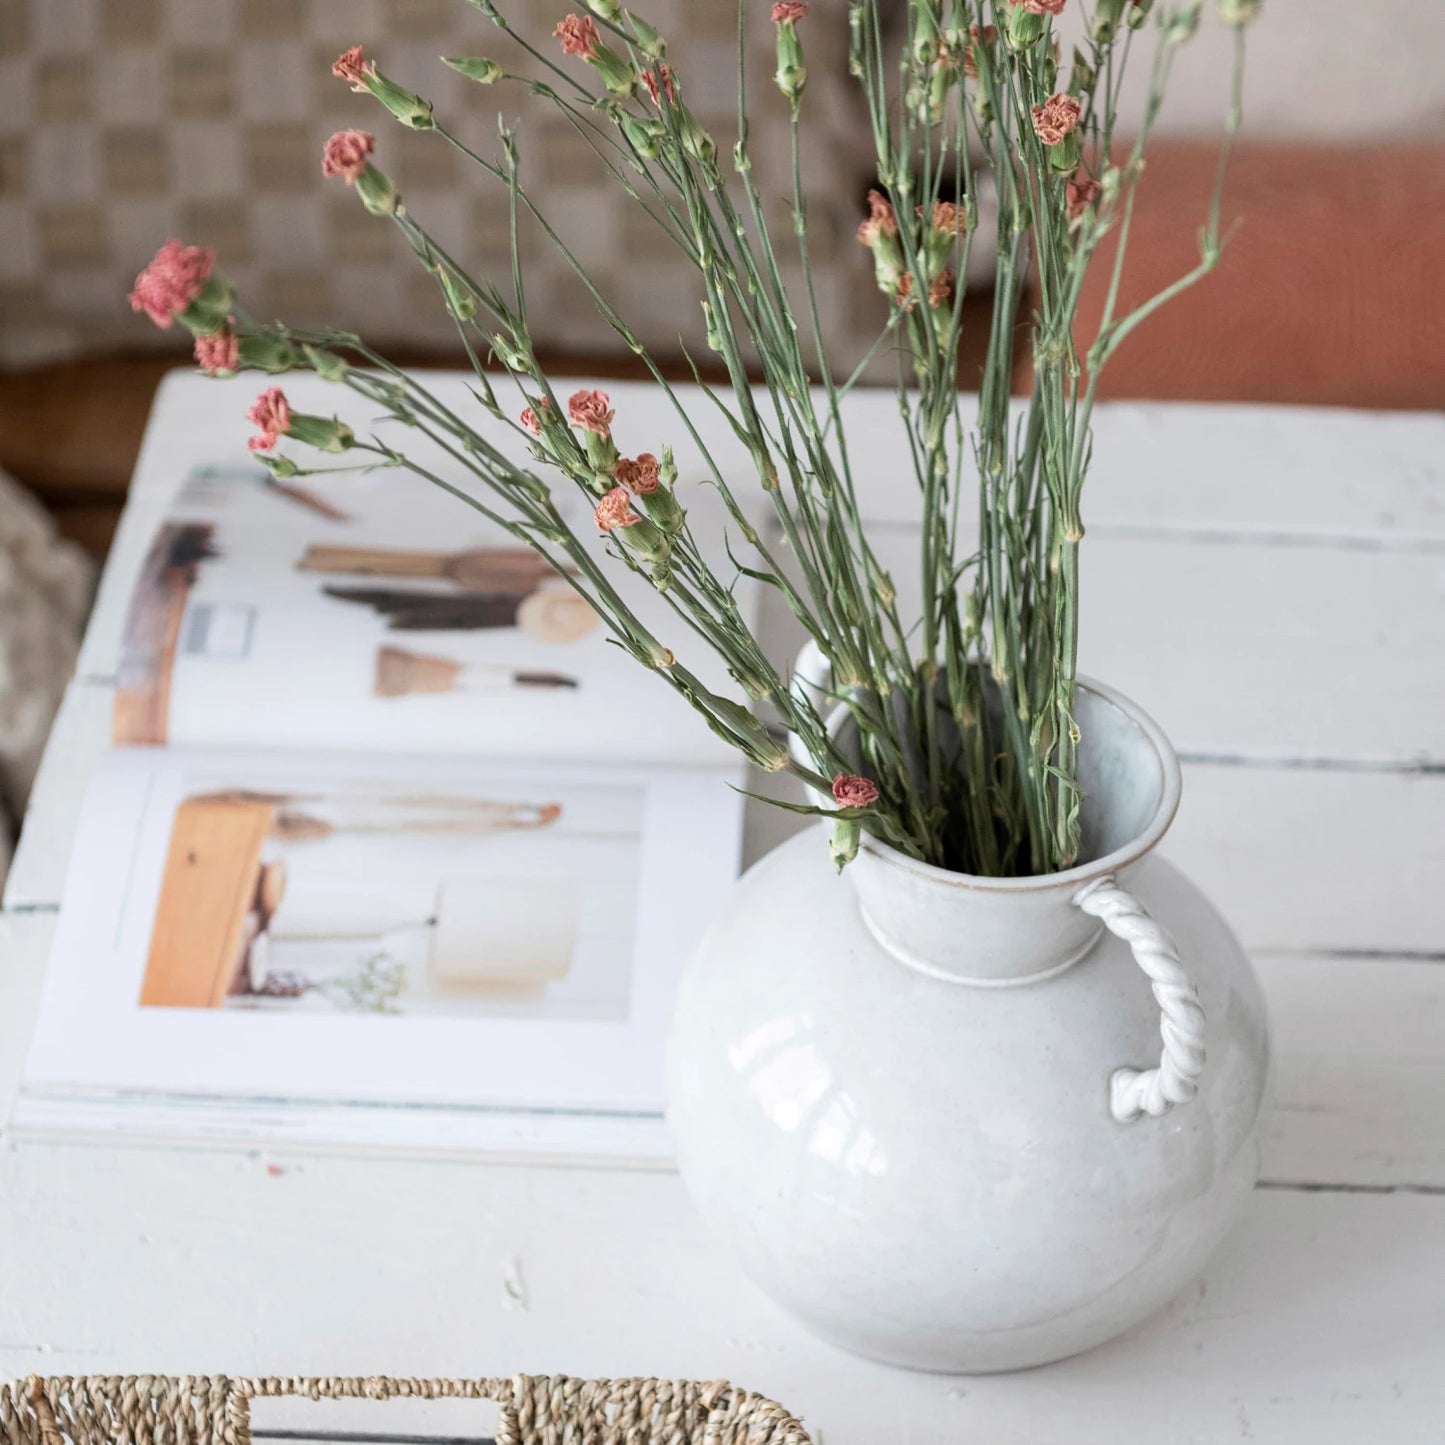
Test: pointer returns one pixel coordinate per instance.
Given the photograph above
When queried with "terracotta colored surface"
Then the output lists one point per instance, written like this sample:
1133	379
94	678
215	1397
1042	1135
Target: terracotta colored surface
1331	291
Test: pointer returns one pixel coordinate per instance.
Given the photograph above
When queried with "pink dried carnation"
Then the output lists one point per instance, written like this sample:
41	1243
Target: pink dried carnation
949	218
590	409
649	79
615	510
881	219
987	37
789	12
271	416
218	352
351	66
531	420
346	154
940	290
172	281
1041	7
851	791
1080	193
641	475
578	34
1056	118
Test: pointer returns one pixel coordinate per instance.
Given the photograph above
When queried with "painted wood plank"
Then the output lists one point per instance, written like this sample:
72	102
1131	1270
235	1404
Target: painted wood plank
1359	1085
1320	1322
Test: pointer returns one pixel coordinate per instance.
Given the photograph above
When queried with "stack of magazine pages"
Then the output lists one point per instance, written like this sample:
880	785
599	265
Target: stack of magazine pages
392	848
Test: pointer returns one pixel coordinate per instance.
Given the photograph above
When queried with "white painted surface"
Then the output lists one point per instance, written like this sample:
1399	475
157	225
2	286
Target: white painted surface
1323	1321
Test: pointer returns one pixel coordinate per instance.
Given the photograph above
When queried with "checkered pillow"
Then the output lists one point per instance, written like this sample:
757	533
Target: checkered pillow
125	122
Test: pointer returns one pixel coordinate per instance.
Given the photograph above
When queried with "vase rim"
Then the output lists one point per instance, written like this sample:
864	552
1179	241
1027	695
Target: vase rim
1076	877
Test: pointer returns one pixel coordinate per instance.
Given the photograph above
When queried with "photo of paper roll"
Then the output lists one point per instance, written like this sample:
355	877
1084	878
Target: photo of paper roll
403	673
503	933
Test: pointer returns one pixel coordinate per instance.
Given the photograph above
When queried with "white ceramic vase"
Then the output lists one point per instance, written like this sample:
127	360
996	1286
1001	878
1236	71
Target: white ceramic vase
972	1124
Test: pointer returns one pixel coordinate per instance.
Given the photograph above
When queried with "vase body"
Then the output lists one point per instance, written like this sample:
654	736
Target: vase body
890	1091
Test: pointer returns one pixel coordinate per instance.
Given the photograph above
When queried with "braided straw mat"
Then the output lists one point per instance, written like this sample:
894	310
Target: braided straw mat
534	1409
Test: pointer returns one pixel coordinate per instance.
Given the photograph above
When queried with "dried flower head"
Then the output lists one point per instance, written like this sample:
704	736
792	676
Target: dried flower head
578	34
346	154
882	220
987	37
952	220
1041	7
615	510
351	66
271	416
789	12
641	475
218	352
530	418
851	791
1055	119
940	290
172	281
666	86
590	409
1080	193
903	292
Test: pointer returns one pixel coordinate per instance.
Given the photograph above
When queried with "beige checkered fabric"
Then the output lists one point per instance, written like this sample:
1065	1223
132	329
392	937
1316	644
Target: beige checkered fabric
125	122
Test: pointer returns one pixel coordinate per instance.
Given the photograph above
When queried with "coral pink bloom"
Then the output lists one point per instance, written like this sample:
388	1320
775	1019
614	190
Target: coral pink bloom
1080	194
1041	7
949	219
351	66
220	351
615	510
172	281
590	409
271	416
1056	118
578	34
346	154
881	219
789	12
940	290
650	81
851	791
987	37
641	475
531	420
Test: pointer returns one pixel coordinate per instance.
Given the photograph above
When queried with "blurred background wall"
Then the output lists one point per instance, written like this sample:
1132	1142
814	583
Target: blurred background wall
124	122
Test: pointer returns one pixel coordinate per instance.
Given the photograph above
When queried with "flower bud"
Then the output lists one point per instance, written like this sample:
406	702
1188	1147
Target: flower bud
616	73
280	467
1024	28
791	75
1185	23
1139	13
665	510
377	193
461	299
1240	12
325	433
483	71
644	136
267	351
326	364
843	845
607	9
645	538
649	42
667	467
406	105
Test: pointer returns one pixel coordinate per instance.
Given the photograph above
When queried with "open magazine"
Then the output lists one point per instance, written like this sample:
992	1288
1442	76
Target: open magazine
393	848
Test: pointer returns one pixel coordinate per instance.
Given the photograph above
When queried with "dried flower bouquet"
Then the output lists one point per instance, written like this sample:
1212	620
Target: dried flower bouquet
964	751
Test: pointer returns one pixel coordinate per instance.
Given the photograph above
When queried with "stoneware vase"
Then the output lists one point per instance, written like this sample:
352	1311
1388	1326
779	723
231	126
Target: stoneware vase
974	1124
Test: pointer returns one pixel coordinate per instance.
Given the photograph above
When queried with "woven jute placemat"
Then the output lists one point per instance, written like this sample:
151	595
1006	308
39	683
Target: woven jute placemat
533	1409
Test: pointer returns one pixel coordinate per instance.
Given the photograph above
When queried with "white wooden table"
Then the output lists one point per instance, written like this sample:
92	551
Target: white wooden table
1268	584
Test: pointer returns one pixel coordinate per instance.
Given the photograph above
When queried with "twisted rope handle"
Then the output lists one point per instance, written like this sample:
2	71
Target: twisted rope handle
1133	1092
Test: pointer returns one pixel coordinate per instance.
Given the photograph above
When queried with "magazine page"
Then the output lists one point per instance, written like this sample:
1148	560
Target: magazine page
372	610
356	934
